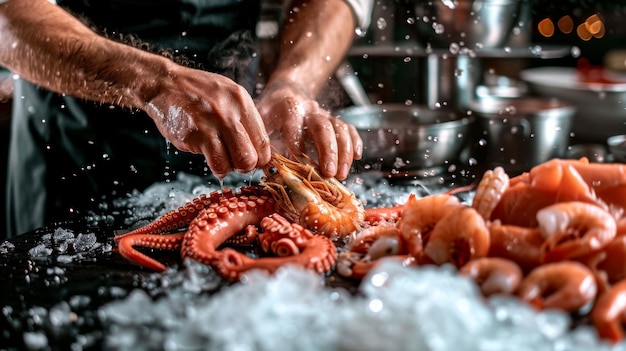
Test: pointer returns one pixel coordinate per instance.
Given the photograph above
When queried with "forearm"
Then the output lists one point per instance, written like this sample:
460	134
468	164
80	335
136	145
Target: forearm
47	46
315	40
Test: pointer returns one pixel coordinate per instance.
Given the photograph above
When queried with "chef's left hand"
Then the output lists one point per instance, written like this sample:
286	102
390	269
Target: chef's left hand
295	120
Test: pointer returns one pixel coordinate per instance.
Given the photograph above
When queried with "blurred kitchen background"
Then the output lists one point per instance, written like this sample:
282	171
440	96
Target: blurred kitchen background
399	60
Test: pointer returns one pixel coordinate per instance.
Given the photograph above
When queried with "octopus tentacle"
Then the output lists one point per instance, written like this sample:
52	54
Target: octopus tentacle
126	243
213	226
315	252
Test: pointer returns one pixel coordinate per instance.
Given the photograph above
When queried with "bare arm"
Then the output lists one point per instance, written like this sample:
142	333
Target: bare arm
197	111
316	36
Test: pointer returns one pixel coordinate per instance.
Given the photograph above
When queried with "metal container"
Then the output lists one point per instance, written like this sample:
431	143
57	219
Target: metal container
520	133
409	137
600	109
475	24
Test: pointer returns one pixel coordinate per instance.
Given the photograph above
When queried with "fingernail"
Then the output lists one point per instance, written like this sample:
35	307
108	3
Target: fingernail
359	150
331	168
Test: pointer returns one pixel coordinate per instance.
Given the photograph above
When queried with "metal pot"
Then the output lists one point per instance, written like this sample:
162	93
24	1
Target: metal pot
474	24
409	137
521	132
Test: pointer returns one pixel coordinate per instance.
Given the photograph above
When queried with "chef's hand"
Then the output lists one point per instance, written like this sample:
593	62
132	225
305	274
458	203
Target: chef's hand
297	120
210	114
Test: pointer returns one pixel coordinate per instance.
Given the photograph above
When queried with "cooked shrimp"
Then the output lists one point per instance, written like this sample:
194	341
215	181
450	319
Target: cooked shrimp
519	244
323	205
566	285
420	217
460	236
493	275
609	263
573	229
609	313
489	191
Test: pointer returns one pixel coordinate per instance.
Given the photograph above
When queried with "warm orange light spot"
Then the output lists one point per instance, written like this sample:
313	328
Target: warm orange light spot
546	27
594	24
566	24
583	32
600	32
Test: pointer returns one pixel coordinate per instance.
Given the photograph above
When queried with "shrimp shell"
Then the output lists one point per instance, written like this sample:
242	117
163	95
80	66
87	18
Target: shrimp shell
573	229
566	285
489	191
460	236
609	312
494	275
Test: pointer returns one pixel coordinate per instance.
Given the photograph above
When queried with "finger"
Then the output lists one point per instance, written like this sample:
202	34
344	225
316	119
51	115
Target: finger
217	157
357	142
260	140
345	151
243	154
322	132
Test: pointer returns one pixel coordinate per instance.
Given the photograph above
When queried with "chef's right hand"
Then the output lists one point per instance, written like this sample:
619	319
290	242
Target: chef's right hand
209	114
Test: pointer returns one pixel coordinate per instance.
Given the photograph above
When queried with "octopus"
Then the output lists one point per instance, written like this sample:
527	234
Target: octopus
295	214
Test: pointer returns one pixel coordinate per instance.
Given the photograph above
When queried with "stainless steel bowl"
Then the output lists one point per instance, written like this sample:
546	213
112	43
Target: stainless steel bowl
410	137
522	132
600	111
470	23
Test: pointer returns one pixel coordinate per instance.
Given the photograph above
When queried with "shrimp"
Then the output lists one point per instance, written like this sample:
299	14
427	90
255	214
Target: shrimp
609	263
421	215
517	200
519	244
573	229
566	285
323	205
492	186
494	275
460	236
367	247
609	313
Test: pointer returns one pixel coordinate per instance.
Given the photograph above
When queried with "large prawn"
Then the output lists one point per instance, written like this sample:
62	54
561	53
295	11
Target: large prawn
303	196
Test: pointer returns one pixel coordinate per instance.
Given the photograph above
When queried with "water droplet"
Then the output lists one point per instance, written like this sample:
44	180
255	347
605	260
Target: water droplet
449	3
407	60
438	28
410	20
360	32
454	48
536	50
381	23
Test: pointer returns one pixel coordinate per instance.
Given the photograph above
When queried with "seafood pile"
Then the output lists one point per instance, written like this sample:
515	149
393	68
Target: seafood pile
551	236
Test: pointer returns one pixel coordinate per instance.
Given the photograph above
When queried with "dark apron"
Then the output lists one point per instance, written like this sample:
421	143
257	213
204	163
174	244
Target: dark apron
67	156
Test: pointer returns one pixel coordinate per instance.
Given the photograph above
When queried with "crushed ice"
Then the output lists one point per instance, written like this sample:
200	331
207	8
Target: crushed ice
68	246
396	308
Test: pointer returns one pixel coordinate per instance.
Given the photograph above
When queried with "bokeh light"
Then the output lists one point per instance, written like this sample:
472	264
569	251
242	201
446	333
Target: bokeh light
591	27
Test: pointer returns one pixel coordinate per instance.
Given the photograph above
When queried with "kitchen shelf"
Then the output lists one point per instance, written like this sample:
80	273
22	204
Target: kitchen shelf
414	50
